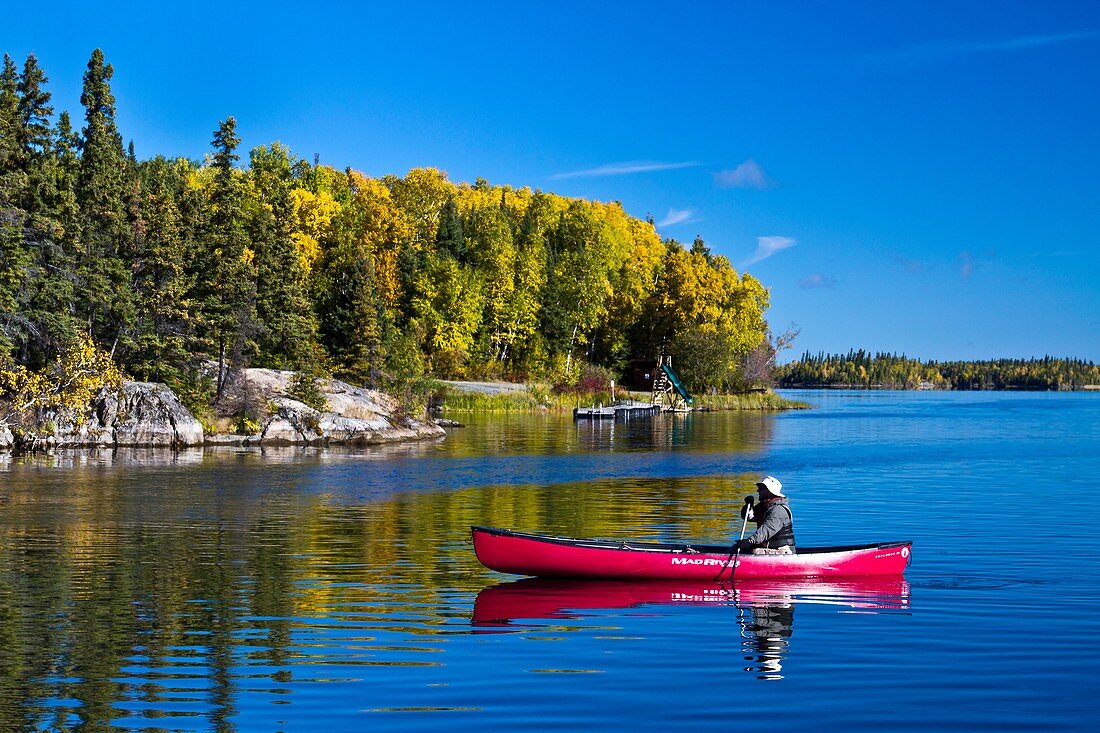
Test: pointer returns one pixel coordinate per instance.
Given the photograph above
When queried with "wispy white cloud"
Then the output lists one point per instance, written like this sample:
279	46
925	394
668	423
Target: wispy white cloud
767	246
946	49
909	265
676	216
624	169
817	280
966	265
747	175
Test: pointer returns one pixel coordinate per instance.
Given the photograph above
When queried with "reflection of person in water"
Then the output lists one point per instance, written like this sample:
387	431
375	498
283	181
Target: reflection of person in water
765	632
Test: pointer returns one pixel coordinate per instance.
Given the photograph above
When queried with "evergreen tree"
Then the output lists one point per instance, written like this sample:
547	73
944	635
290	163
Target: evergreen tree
35	132
160	280
105	293
228	286
289	335
699	247
449	237
66	173
47	303
13	255
35	141
9	124
66	170
354	323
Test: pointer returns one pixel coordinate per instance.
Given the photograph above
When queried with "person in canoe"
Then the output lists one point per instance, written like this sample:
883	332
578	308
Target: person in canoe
774	533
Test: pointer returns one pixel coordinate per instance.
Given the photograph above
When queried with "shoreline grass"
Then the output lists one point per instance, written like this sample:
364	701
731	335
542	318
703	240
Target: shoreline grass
749	401
537	399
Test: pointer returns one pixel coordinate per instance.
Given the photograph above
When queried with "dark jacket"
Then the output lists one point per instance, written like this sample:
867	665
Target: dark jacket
774	524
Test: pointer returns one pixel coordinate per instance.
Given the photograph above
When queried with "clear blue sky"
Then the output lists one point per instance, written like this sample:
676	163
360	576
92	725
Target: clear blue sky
904	176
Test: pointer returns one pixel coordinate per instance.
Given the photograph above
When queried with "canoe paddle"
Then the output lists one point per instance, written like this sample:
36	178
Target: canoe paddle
735	551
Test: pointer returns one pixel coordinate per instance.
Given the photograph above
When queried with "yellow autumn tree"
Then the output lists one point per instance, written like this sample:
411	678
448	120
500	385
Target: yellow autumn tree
66	387
379	228
313	215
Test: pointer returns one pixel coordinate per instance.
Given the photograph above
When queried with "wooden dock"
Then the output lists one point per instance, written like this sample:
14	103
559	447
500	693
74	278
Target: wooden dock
624	411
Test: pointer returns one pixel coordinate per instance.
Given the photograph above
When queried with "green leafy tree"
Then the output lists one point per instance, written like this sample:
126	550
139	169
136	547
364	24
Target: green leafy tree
632	252
493	256
578	286
420	196
528	294
448	307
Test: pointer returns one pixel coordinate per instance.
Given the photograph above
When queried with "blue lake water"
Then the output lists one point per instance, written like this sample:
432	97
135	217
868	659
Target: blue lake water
337	590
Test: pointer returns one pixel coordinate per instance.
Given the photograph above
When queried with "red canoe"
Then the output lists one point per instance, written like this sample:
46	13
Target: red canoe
531	554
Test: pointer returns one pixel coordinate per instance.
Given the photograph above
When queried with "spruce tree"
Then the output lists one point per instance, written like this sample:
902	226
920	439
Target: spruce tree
9	123
66	170
47	303
229	279
35	141
699	247
34	110
354	324
105	293
160	280
289	335
13	255
449	237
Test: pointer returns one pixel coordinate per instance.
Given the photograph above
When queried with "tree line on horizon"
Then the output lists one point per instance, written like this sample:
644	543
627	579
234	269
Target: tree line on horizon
166	266
864	370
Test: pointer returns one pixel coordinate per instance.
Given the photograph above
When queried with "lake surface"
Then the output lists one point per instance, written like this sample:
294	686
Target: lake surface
296	590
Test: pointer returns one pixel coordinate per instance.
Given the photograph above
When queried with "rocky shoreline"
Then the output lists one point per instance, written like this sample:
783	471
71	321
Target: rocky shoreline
147	414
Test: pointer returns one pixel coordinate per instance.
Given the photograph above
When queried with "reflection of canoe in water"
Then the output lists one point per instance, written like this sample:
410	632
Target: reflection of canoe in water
531	554
549	598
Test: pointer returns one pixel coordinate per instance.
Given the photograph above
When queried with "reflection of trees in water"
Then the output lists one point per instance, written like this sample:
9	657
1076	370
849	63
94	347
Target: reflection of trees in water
765	635
120	588
730	431
554	434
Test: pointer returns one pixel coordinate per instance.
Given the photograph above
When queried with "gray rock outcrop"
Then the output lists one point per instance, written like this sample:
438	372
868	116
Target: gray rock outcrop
146	414
150	414
140	415
351	416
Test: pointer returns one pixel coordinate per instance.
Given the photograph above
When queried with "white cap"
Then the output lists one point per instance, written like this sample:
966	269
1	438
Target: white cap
772	484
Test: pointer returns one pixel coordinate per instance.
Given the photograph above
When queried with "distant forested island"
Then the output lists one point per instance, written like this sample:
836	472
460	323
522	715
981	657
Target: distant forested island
863	370
185	272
